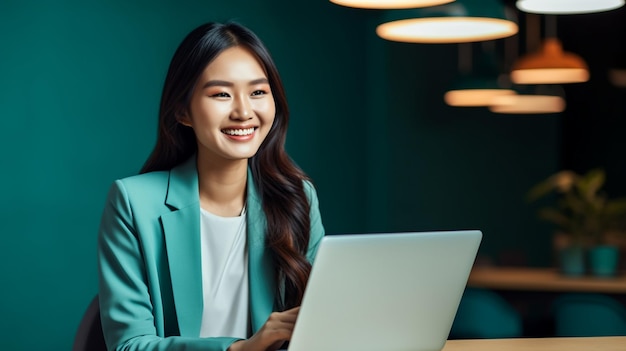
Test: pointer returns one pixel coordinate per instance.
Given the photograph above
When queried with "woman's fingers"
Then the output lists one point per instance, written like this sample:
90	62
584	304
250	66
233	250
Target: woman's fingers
276	330
288	316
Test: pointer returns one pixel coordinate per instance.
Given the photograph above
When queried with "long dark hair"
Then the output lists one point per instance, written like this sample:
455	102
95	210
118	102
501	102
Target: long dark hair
278	180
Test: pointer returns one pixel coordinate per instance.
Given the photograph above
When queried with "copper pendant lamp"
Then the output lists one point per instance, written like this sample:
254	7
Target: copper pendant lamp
550	65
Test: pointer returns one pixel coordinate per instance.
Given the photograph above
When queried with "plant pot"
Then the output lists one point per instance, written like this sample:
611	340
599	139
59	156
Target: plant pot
572	261
603	260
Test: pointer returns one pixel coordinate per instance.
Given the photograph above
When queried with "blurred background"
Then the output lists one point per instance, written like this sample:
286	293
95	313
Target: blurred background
80	84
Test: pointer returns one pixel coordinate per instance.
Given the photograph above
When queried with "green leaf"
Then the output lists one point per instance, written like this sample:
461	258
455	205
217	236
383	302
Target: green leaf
591	183
560	182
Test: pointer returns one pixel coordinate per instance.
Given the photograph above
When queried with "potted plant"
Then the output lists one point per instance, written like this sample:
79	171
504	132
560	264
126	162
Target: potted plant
587	220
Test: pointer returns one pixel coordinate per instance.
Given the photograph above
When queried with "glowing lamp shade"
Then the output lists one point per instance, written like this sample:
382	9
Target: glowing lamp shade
473	90
551	65
458	22
446	30
389	4
474	97
527	104
565	7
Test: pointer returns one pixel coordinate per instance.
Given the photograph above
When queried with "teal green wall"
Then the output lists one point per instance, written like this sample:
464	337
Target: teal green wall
79	90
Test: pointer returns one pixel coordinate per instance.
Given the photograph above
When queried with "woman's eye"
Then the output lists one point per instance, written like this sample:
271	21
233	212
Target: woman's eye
220	95
259	92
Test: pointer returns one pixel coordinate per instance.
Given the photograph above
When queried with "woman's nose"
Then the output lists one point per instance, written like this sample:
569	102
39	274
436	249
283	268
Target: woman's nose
242	109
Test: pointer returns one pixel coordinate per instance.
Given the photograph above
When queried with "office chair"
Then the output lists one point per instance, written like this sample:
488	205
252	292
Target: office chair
483	314
589	314
89	336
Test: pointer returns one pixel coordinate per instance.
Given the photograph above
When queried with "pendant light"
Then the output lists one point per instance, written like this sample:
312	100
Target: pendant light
462	21
389	4
475	93
550	65
565	7
476	86
527	104
528	99
542	99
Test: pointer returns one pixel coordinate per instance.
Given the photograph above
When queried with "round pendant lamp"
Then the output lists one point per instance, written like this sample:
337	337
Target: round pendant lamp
477	84
462	21
550	65
476	96
527	104
389	4
566	7
537	100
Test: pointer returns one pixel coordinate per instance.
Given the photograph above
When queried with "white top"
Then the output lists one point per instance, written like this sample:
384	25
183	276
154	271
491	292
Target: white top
224	275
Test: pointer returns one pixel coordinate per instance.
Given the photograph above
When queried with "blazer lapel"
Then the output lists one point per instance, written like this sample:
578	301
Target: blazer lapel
181	228
261	275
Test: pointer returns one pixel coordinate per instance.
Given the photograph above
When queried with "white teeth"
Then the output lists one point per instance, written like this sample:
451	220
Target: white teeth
247	131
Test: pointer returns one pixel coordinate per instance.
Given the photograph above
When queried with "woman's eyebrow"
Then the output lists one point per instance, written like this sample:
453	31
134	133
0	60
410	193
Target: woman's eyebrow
259	81
219	83
223	83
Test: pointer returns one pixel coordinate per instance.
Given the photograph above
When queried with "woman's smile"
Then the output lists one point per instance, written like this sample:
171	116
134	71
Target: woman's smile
239	134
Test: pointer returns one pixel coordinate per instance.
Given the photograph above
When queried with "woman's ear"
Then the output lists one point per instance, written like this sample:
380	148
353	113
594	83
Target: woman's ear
183	118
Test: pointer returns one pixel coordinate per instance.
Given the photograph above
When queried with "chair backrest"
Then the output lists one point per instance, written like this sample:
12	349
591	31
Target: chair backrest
579	314
89	336
483	314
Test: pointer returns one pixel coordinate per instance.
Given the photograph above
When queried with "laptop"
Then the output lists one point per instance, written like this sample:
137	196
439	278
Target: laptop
384	292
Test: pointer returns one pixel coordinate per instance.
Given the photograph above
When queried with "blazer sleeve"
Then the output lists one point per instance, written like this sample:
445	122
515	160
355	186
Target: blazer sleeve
128	322
317	228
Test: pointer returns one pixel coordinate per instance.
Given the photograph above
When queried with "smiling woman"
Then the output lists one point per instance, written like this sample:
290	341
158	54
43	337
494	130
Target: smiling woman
231	109
210	247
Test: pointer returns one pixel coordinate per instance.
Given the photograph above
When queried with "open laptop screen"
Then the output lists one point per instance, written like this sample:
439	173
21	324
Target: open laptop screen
391	291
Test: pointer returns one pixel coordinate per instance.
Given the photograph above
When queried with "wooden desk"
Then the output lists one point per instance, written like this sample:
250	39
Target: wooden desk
532	291
617	343
542	280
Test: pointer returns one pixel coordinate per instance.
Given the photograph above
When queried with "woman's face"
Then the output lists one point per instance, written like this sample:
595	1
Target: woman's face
232	108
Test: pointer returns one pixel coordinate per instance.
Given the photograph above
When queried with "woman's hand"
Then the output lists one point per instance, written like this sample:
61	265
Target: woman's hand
276	330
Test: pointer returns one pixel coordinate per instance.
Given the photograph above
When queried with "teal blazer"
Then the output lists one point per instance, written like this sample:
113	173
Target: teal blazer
149	262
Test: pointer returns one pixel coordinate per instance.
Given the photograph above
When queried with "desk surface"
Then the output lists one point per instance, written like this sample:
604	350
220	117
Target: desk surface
608	343
542	279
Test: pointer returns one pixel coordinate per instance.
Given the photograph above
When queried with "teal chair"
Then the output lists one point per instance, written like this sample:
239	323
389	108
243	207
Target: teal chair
580	314
483	314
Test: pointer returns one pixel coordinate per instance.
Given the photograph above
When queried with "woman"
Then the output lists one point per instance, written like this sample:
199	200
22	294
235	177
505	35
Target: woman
209	248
